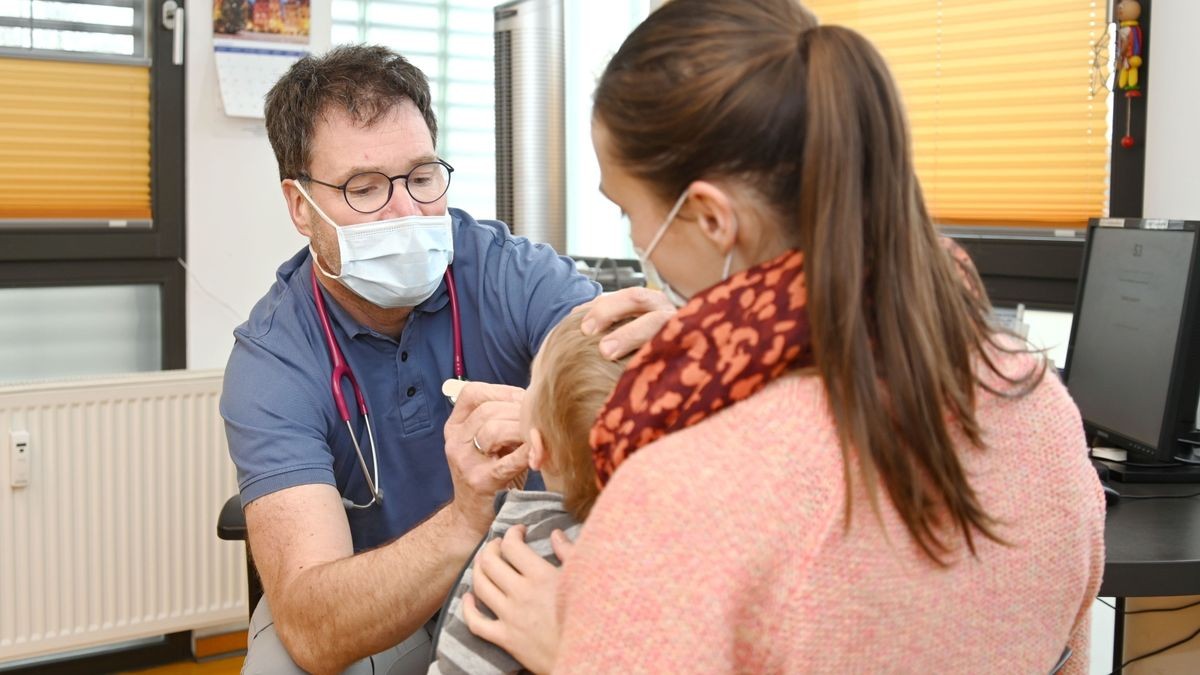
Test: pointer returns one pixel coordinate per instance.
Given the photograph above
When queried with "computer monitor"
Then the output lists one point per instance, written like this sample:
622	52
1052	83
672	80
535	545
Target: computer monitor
1133	355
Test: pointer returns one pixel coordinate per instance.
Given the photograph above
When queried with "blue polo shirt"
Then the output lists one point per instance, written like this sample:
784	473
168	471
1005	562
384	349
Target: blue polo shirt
280	418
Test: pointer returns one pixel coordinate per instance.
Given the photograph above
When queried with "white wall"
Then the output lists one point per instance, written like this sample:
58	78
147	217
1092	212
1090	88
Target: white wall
238	230
594	224
1173	112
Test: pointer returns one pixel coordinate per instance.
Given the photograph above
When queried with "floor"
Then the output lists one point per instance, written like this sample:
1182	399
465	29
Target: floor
231	665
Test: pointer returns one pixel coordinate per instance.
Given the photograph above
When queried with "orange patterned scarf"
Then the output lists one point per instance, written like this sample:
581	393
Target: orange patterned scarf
723	346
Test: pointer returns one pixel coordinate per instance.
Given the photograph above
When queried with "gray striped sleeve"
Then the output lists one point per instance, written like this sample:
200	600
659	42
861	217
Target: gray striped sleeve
461	652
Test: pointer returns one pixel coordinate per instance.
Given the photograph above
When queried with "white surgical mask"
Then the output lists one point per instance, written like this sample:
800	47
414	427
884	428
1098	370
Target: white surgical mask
652	275
391	263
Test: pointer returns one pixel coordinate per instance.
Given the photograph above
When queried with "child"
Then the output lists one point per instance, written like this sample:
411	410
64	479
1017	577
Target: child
569	383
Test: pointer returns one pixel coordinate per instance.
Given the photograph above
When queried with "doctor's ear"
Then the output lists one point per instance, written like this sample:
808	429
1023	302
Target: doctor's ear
538	456
298	207
712	208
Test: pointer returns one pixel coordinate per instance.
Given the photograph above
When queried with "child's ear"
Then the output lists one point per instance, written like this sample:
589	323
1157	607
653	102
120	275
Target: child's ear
538	457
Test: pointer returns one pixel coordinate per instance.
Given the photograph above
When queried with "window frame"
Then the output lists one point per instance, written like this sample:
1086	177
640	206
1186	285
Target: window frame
166	274
79	253
1038	270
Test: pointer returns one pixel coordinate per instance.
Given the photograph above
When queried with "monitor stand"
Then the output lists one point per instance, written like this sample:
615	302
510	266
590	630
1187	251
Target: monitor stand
1139	470
1146	473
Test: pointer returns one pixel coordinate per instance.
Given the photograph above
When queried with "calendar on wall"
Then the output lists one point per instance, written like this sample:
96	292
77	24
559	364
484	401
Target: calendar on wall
254	43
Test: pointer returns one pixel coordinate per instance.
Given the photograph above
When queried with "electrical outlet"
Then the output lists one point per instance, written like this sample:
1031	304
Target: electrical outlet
19	458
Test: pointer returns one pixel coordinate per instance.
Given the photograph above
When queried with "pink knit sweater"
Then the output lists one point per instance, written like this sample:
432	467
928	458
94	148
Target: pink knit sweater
723	548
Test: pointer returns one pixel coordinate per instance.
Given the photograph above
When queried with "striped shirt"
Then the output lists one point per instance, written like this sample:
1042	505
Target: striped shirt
458	649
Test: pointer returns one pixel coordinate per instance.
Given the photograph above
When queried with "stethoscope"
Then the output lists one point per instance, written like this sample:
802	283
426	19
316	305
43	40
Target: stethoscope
341	369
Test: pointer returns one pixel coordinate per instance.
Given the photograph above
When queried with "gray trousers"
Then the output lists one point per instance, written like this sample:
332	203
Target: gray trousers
265	654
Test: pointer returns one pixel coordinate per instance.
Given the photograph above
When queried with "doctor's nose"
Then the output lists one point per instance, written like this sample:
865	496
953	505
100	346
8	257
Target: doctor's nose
401	204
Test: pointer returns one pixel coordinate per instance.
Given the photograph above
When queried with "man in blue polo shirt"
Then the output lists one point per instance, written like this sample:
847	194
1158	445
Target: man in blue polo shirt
358	529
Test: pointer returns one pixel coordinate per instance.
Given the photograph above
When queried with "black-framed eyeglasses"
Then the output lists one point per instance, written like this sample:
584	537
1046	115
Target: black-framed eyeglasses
370	191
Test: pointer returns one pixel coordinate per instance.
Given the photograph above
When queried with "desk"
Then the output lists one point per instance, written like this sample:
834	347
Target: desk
1152	548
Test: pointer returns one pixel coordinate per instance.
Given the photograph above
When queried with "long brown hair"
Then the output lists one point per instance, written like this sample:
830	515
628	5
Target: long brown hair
754	91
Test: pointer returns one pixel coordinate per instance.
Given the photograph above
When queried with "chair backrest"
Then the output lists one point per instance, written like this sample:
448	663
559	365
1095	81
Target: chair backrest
1062	661
231	526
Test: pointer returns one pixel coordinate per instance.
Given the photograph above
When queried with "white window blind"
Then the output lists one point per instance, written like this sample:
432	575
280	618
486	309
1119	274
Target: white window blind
451	41
104	30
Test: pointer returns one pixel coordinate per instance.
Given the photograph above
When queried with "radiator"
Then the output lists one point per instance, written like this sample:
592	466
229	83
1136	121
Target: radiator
114	536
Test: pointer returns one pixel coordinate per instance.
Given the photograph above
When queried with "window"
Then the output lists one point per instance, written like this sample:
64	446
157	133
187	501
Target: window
1006	130
91	189
451	42
110	30
124	331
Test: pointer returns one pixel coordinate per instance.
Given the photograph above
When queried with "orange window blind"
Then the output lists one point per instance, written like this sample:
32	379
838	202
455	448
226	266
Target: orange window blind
74	140
1006	130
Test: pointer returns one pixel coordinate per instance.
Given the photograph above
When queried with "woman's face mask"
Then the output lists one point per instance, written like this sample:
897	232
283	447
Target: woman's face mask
391	263
652	275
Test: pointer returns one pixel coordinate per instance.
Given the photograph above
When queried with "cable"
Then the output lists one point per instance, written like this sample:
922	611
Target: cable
1160	650
1161	609
1113	608
191	275
1190	462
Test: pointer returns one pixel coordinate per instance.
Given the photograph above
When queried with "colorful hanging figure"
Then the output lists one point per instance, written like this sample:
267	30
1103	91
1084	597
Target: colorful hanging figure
1129	57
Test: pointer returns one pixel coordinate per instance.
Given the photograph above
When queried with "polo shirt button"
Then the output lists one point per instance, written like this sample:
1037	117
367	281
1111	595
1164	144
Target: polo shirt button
403	356
412	391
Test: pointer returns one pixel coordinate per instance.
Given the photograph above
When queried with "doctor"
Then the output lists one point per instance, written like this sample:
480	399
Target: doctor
358	522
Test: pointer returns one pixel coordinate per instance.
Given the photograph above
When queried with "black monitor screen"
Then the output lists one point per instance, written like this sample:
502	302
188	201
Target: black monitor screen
1127	326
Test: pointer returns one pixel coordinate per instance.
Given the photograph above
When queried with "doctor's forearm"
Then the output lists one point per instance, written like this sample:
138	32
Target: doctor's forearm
333	614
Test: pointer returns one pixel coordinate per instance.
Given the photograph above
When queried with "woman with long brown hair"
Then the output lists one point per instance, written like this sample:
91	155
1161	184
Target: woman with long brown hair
829	459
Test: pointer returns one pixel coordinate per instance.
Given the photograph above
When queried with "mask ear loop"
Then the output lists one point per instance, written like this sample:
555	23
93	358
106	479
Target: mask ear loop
662	229
729	258
313	203
327	219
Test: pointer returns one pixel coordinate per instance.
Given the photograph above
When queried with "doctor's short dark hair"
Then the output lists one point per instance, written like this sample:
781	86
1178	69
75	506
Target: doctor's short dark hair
364	81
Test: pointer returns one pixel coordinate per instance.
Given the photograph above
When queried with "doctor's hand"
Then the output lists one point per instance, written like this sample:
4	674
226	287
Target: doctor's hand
649	310
520	588
484	448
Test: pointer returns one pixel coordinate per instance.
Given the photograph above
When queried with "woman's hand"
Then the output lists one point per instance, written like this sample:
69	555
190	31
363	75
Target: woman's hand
649	310
520	588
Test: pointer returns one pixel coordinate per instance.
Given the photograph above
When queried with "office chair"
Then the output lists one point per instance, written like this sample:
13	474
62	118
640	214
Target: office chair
231	526
1062	661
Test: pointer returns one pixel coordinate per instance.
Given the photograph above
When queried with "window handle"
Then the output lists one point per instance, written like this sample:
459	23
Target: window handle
172	20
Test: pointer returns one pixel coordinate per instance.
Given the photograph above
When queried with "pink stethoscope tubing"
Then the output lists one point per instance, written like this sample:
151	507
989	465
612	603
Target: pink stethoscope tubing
341	370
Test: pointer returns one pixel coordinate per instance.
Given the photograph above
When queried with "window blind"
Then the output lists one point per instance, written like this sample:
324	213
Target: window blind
451	42
1005	128
74	140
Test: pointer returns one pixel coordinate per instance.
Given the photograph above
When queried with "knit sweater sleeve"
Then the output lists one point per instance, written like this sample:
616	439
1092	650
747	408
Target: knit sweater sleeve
676	570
